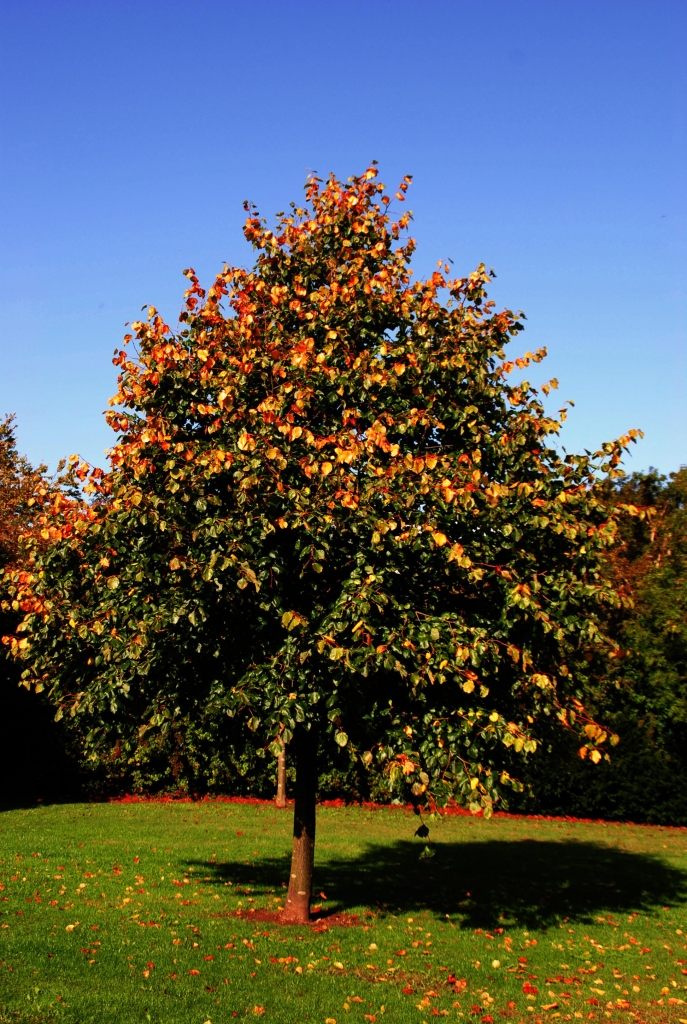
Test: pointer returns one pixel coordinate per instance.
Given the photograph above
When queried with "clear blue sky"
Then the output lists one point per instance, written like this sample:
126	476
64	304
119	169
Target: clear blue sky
547	139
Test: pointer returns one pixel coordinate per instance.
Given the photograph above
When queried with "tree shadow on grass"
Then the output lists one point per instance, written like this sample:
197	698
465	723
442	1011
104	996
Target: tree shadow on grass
528	883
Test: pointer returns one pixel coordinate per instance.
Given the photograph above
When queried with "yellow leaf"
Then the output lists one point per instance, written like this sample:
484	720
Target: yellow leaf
468	686
439	539
326	468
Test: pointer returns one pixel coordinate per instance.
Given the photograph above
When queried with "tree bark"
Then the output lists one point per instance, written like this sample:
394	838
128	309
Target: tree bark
280	799
298	897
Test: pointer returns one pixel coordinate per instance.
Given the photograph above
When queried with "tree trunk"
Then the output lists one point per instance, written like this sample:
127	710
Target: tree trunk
280	799
297	909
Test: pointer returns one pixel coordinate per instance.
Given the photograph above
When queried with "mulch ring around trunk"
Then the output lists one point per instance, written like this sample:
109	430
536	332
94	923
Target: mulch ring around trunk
321	920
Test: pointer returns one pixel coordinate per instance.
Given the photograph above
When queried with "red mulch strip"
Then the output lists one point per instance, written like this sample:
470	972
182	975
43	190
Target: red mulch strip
321	921
450	811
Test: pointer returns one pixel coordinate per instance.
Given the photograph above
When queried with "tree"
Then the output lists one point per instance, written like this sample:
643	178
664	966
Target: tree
280	798
649	569
641	692
31	748
329	513
19	485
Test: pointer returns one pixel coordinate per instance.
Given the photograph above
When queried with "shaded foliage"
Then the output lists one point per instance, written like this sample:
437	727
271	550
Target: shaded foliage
643	696
33	758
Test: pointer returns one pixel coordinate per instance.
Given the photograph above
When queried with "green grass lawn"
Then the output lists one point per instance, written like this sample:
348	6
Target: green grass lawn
142	912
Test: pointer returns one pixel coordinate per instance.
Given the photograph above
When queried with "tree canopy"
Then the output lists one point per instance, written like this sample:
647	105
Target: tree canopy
330	511
19	485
